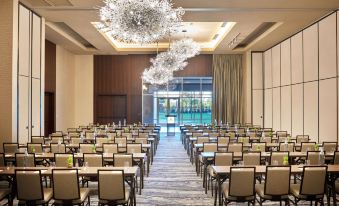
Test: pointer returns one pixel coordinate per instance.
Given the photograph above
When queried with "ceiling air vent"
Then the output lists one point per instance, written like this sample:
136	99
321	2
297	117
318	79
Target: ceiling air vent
262	28
68	30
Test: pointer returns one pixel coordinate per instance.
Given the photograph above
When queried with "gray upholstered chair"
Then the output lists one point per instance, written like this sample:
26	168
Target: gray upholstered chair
123	160
29	188
259	146
276	186
61	159
278	157
25	161
241	186
312	186
134	148
58	148
10	147
66	190
111	188
251	158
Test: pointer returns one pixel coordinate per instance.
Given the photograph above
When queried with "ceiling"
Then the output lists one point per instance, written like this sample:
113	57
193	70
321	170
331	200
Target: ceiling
258	24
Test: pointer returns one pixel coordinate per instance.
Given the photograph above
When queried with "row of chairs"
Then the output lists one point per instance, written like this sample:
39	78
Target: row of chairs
66	189
242	185
247	139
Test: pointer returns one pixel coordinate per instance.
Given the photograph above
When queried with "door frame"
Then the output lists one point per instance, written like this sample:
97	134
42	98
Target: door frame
168	107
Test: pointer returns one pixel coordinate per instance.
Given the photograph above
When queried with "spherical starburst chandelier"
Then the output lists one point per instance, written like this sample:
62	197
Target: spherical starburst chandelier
157	76
169	60
186	48
139	21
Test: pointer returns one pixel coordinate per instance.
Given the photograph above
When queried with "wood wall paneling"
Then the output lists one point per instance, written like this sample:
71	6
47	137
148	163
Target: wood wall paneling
50	66
276	108
268	68
286	109
297	109
311	110
268	108
276	66
296	58
120	75
286	62
310	51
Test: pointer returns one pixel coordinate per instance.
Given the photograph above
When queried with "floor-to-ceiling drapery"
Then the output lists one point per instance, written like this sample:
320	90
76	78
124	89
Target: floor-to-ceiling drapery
228	84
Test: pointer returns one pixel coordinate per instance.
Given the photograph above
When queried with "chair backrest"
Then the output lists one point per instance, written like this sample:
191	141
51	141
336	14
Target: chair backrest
251	158
123	160
277	181
223	158
277	158
2	160
121	141
93	160
111	185
143	135
302	138
10	147
281	133
58	148
141	140
65	184
286	146
111	135
22	160
100	140
38	139
242	182
313	157
260	146
213	134
196	134
244	139
223	140
336	158
134	148
210	147
126	134
57	139
86	148
267	139
34	148
330	146
307	146
282	139
313	180
75	140
29	185
201	139
61	159
110	148
235	147
89	135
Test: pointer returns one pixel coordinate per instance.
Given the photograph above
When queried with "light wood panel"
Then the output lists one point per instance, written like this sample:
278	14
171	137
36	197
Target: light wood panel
286	62
268	68
257	70
23	109
276	108
268	108
276	66
327	47
24	61
297	109
286	109
311	110
36	46
310	49
296	58
258	107
36	107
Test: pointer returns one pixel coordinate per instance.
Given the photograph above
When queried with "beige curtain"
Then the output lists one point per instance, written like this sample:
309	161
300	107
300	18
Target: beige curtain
228	84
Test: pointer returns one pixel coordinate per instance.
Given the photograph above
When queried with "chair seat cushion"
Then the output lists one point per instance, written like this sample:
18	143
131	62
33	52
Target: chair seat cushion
48	194
295	191
83	195
127	196
260	190
4	192
225	188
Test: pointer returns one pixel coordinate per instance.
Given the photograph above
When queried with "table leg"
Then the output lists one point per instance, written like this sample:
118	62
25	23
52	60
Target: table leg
148	162
205	175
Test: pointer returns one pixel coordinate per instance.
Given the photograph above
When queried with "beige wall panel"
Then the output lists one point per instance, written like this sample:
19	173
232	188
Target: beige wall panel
297	109
311	110
276	65
276	109
64	95
286	109
328	110
296	58
286	62
24	41
36	109
258	107
36	46
257	70
83	89
268	68
268	108
327	47
23	109
310	42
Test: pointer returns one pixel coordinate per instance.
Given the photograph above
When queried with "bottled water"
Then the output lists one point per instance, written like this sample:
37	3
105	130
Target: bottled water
321	156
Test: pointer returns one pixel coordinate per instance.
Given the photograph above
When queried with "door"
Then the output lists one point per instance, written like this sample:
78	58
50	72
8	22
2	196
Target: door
167	106
49	119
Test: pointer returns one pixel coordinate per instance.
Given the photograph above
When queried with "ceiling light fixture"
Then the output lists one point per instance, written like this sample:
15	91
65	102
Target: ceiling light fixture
139	21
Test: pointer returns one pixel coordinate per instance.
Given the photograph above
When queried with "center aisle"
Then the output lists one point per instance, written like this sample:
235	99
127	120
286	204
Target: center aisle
172	179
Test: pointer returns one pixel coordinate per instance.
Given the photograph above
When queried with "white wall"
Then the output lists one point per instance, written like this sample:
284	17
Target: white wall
83	90
301	82
74	89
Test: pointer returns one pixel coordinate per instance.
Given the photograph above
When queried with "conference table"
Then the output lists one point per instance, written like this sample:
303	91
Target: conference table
223	172
130	173
138	157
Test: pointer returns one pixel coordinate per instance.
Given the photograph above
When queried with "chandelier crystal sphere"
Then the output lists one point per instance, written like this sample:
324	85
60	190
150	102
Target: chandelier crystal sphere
157	76
186	48
170	61
139	21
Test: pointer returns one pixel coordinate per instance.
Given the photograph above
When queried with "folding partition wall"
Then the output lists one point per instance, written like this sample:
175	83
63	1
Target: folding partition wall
295	83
